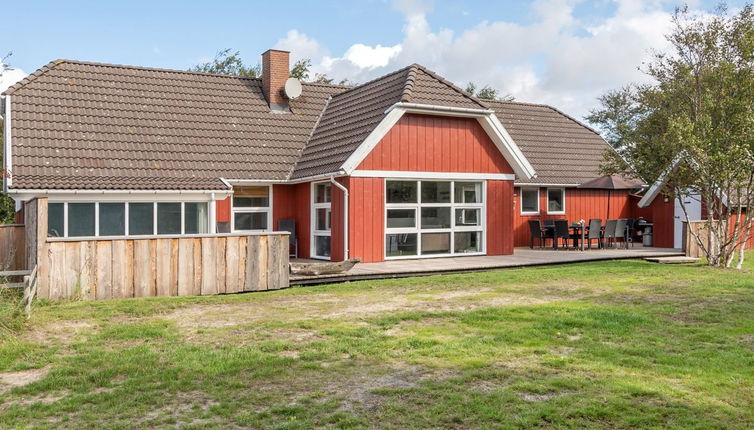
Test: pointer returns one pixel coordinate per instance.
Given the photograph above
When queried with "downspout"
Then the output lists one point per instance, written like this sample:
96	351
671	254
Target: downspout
345	215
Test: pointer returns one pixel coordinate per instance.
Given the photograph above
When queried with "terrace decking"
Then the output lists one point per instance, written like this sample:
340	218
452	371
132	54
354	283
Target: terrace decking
520	258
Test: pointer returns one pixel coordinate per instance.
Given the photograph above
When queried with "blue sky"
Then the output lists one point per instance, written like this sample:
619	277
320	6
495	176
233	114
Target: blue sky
549	51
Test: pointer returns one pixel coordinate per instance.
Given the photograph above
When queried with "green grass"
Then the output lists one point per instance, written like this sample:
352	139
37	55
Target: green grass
596	345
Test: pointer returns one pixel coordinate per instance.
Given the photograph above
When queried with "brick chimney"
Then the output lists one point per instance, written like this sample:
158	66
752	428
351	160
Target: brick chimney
275	71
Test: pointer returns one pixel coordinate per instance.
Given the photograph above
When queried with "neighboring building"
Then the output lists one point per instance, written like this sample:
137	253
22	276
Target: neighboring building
428	170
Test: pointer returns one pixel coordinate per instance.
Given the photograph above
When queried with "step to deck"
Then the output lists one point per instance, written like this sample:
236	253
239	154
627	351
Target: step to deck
673	260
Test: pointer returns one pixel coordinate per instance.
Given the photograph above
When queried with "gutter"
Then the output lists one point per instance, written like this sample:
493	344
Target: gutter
345	215
47	192
7	166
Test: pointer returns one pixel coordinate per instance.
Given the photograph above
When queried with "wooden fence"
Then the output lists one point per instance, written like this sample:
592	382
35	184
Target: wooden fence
12	247
163	266
690	245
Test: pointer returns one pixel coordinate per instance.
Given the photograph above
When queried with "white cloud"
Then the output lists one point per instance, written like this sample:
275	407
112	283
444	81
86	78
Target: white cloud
301	46
554	59
10	77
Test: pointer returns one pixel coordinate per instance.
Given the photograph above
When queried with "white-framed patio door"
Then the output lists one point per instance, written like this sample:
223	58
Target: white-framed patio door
321	220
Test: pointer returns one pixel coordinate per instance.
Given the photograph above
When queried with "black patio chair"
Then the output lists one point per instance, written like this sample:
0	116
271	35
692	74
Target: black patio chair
621	229
535	228
608	239
549	223
289	225
563	233
595	233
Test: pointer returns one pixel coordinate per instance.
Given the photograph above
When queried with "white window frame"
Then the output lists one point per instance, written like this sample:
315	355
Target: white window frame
313	223
563	192
482	227
128	203
259	209
521	201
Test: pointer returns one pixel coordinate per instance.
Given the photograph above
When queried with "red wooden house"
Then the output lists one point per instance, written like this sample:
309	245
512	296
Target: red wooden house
405	166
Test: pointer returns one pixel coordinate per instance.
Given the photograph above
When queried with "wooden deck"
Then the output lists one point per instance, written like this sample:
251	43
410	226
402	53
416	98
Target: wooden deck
521	257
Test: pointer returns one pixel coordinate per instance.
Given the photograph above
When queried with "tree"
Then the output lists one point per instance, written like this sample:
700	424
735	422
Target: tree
300	69
693	125
227	62
617	116
487	93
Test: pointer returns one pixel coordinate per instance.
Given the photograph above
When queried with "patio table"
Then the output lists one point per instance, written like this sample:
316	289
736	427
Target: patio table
578	234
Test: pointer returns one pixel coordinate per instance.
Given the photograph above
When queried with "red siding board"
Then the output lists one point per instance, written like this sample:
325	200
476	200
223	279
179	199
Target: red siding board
580	204
367	218
436	144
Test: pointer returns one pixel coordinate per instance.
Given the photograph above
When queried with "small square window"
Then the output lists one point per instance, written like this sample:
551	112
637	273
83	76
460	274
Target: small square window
555	200
55	219
401	191
112	219
140	218
250	220
195	218
530	200
80	219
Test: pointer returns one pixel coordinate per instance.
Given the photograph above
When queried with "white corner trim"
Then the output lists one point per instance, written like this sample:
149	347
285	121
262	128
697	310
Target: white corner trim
431	175
372	140
7	156
507	146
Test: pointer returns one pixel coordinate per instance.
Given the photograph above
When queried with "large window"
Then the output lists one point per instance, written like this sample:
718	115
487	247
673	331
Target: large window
251	208
112	219
529	201
321	219
556	201
430	218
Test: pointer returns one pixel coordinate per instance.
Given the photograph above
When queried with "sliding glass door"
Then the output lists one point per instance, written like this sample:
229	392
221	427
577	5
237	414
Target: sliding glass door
433	218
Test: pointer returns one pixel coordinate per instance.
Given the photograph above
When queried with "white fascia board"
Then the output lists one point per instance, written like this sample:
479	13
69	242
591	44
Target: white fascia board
387	123
532	185
655	189
7	156
504	142
253	181
322	176
439	110
120	195
431	175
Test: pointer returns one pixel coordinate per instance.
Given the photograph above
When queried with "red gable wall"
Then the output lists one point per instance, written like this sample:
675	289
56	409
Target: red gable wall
424	143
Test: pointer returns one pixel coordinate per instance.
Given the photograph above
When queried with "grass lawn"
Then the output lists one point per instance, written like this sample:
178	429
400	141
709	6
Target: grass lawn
596	345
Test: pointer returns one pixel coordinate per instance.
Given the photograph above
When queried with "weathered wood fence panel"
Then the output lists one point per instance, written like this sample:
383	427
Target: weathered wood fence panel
12	247
691	246
156	266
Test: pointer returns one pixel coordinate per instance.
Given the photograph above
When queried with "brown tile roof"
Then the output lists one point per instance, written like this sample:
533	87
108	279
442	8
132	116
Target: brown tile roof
80	125
561	149
351	115
83	125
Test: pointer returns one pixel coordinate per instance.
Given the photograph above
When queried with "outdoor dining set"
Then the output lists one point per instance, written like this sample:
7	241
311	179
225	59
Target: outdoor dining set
614	233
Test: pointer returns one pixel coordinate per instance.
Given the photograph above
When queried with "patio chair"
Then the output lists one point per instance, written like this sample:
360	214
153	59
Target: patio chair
621	228
562	233
536	231
549	223
608	239
289	225
595	232
635	231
